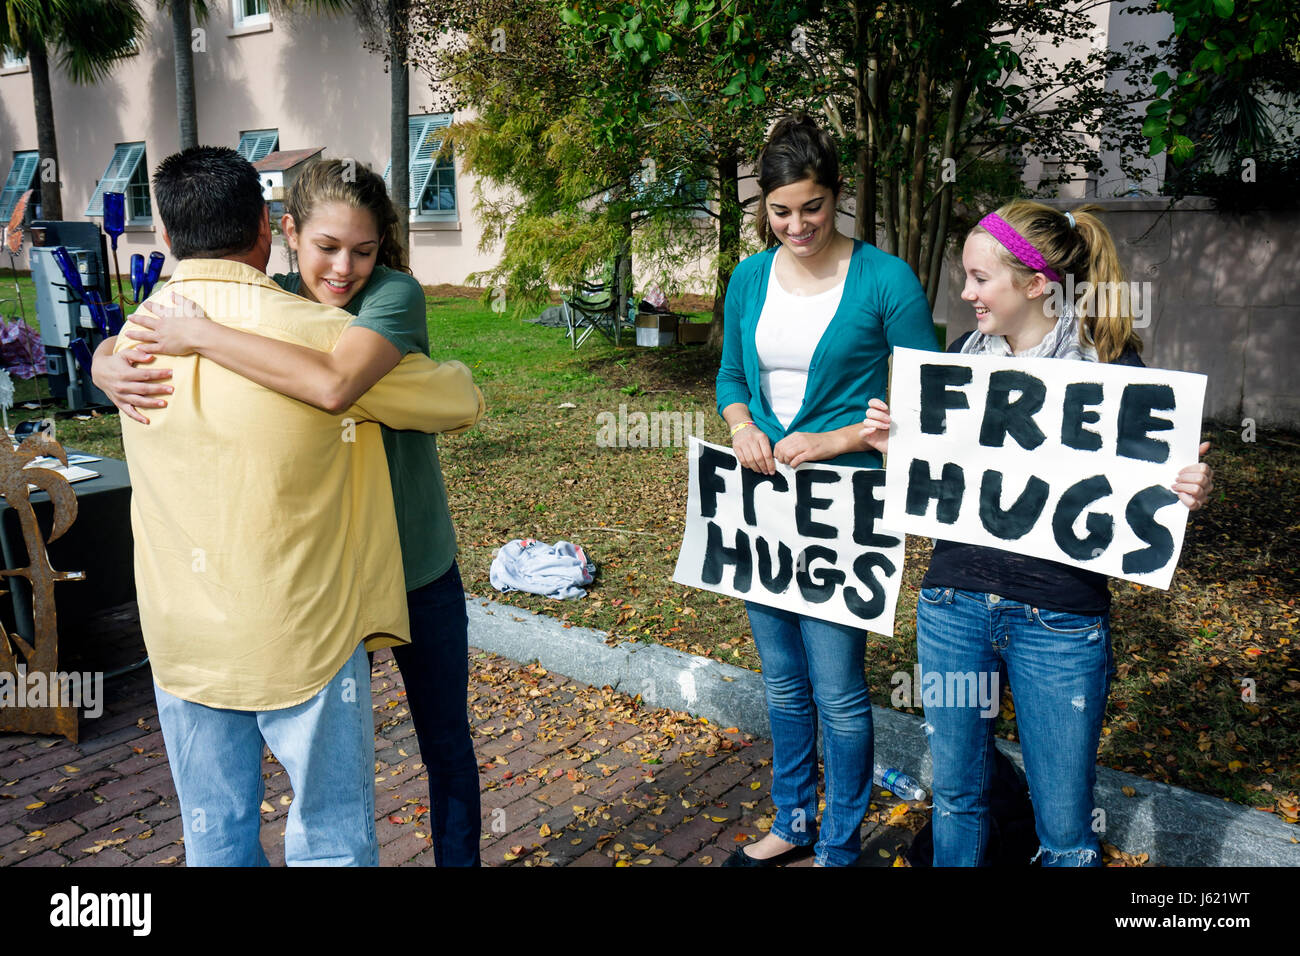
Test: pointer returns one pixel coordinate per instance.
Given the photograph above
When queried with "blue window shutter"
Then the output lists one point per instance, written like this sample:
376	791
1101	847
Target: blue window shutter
265	145
424	143
118	175
424	147
21	174
258	144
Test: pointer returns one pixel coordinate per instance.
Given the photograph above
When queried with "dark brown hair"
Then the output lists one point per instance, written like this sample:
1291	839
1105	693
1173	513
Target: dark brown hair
796	149
357	185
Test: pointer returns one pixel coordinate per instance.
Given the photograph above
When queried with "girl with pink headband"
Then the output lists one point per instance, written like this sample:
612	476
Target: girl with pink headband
1045	626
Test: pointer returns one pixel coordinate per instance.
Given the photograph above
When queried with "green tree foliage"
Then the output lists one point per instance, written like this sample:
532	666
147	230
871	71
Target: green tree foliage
564	188
926	96
1227	107
1227	45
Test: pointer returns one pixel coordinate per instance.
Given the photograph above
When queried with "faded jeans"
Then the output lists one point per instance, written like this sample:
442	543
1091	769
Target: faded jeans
813	670
327	746
1058	665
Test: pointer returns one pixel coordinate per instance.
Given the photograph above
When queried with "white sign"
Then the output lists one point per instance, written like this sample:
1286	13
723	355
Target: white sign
1066	460
805	539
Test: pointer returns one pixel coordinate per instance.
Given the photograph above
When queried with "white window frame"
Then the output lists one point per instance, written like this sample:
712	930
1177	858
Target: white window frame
122	168
22	174
259	143
241	20
425	141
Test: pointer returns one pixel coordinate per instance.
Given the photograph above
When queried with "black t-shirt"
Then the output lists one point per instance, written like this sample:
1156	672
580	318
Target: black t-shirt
1018	577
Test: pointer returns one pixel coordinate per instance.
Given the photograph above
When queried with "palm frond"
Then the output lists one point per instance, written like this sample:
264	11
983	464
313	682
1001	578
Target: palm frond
94	35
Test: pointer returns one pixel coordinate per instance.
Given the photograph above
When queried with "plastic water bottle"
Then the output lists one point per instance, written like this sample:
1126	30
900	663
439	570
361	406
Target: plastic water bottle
897	782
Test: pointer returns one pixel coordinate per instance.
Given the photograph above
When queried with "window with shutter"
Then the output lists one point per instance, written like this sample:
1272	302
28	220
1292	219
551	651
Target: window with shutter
432	191
19	180
128	173
257	144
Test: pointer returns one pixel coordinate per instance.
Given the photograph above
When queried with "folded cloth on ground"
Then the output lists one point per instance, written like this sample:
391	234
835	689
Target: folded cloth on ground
553	570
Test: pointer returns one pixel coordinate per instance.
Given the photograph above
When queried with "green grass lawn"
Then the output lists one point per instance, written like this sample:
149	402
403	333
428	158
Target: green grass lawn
534	468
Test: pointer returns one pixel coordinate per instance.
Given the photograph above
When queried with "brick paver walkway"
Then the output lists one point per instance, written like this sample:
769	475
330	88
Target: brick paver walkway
570	774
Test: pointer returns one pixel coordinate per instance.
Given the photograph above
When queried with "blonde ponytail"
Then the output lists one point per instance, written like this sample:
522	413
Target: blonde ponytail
1106	310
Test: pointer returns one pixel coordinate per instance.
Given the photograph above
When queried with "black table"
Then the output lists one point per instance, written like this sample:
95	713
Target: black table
99	543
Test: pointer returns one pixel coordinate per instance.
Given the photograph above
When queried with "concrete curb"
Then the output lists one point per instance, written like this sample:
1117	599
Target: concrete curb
1175	827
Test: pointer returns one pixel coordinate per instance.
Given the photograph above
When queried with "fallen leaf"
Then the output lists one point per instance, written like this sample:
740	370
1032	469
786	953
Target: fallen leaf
101	845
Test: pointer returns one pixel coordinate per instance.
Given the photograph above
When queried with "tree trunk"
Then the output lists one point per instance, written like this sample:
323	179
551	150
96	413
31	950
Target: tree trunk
889	196
51	189
186	111
623	271
916	185
864	160
729	218
939	223
400	137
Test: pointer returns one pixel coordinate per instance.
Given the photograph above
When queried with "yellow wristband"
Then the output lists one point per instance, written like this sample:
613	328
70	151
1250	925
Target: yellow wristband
737	428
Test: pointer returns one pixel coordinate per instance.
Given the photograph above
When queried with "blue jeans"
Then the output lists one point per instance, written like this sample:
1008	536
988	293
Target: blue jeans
1058	665
327	746
435	672
814	669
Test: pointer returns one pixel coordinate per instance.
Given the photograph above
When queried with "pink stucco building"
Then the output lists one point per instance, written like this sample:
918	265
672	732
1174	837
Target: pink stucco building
263	82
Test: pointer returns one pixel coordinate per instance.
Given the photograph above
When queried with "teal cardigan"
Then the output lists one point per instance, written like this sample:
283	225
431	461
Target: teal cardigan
883	307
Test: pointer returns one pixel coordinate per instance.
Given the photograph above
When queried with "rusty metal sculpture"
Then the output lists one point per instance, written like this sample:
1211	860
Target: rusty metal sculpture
56	716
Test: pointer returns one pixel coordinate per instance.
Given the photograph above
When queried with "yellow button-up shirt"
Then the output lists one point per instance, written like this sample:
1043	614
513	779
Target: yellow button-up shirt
265	539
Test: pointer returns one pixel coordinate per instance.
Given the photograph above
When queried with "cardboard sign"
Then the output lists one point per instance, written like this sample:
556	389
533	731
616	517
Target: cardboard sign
1066	460
805	539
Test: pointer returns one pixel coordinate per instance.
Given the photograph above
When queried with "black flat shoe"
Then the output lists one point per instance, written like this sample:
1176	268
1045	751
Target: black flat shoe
740	858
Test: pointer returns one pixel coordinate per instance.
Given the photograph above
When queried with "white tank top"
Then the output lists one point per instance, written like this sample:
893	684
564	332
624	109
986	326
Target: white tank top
788	330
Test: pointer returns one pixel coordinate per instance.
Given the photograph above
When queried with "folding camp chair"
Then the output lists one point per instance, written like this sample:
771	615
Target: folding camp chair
593	306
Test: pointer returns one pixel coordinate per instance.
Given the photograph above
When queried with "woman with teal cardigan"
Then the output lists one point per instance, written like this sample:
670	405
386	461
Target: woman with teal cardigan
810	323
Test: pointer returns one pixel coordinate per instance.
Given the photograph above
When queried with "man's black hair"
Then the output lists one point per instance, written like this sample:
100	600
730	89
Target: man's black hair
210	200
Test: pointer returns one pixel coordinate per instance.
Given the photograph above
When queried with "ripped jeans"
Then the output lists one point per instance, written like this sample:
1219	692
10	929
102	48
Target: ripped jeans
1058	666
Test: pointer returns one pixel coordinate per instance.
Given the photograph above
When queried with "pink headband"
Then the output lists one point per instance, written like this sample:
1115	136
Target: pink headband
1017	245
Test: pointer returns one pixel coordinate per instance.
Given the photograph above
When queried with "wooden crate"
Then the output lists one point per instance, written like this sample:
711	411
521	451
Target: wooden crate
692	333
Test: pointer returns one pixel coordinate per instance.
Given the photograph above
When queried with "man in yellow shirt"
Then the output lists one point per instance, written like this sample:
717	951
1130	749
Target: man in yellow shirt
266	548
